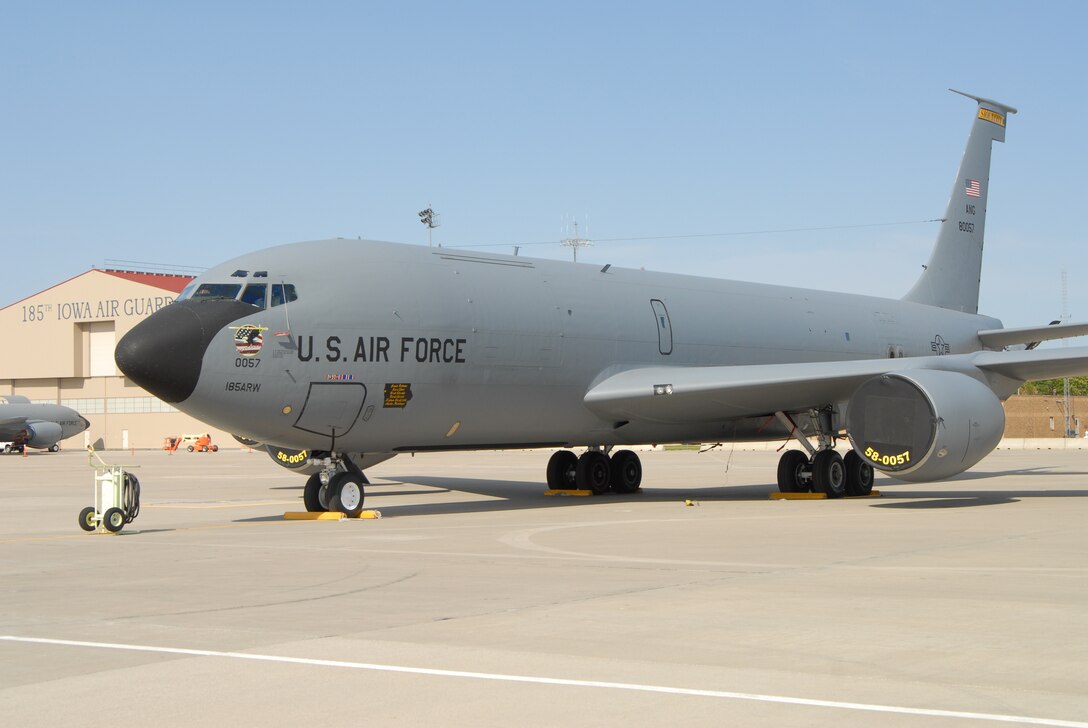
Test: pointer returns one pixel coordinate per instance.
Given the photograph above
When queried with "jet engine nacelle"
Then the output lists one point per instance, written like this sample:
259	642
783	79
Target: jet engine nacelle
925	424
43	434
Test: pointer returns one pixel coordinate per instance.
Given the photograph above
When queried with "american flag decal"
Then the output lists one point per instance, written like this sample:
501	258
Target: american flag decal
248	339
973	188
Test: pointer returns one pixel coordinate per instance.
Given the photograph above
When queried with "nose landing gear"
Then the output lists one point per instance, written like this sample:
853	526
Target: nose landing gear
339	486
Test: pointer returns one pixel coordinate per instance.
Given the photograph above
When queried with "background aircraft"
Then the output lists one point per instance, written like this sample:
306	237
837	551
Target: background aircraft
352	351
37	425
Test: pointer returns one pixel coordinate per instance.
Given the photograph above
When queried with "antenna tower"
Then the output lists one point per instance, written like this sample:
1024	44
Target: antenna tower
575	241
1065	382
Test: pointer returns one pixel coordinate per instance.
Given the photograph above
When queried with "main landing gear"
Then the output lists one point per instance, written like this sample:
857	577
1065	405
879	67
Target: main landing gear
595	471
337	487
822	470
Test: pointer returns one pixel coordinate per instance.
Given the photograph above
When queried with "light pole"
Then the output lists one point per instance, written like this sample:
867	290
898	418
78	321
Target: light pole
429	218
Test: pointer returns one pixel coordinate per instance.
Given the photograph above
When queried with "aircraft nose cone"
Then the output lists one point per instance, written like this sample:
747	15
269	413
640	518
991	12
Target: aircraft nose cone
86	424
164	352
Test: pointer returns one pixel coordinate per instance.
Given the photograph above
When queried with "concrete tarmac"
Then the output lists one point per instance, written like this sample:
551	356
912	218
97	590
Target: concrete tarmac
478	601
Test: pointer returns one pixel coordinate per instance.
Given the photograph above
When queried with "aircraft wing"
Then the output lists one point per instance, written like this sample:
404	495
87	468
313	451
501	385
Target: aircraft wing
11	426
704	394
697	394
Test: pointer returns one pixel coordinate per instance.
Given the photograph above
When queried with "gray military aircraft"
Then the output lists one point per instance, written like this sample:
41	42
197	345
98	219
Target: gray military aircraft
36	425
343	353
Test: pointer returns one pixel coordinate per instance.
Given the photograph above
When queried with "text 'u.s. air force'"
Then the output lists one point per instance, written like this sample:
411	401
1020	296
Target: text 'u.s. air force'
423	349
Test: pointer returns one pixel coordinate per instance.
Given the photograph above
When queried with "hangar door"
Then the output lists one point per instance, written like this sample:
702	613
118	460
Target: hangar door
331	408
101	341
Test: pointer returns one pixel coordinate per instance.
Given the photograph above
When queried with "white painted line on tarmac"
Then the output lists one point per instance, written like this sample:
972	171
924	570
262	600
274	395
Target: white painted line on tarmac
726	694
222	504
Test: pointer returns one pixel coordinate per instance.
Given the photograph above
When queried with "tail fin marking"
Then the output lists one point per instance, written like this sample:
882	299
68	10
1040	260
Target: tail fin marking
951	278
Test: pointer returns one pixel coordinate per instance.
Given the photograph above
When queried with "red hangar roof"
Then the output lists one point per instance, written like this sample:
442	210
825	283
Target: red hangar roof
166	281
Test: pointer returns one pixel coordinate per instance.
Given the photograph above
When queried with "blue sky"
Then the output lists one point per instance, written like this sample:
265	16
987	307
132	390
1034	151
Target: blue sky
187	133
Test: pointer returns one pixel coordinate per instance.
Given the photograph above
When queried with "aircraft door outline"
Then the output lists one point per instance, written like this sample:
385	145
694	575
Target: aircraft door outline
663	325
331	409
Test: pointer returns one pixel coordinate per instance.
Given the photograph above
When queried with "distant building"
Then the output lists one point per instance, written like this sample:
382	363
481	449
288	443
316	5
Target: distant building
58	347
1043	415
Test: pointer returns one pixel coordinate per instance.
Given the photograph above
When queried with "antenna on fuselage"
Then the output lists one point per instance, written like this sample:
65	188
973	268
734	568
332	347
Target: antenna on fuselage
286	316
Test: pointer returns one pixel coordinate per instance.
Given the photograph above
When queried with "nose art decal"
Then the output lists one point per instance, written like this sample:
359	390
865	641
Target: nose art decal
248	339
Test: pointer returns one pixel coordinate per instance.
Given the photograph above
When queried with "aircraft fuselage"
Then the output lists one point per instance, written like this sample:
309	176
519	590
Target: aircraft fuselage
402	348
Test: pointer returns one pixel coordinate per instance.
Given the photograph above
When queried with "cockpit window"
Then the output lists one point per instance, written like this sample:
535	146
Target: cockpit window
214	291
187	291
254	294
283	293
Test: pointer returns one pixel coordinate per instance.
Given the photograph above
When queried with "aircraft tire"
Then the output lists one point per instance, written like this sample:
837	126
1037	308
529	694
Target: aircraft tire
592	472
113	519
829	474
561	470
790	466
311	494
54	447
86	519
859	475
345	494
626	472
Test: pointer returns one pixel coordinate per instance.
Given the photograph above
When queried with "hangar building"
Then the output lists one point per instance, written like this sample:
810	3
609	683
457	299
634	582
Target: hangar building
58	348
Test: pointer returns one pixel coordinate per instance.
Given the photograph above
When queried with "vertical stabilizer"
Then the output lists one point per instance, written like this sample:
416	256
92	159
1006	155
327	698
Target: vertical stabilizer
951	278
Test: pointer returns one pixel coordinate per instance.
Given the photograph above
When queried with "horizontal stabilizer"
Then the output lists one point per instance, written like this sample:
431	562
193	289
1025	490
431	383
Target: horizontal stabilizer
998	338
983	100
1028	366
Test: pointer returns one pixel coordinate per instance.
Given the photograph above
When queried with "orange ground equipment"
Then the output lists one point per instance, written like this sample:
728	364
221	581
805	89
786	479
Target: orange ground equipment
203	444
